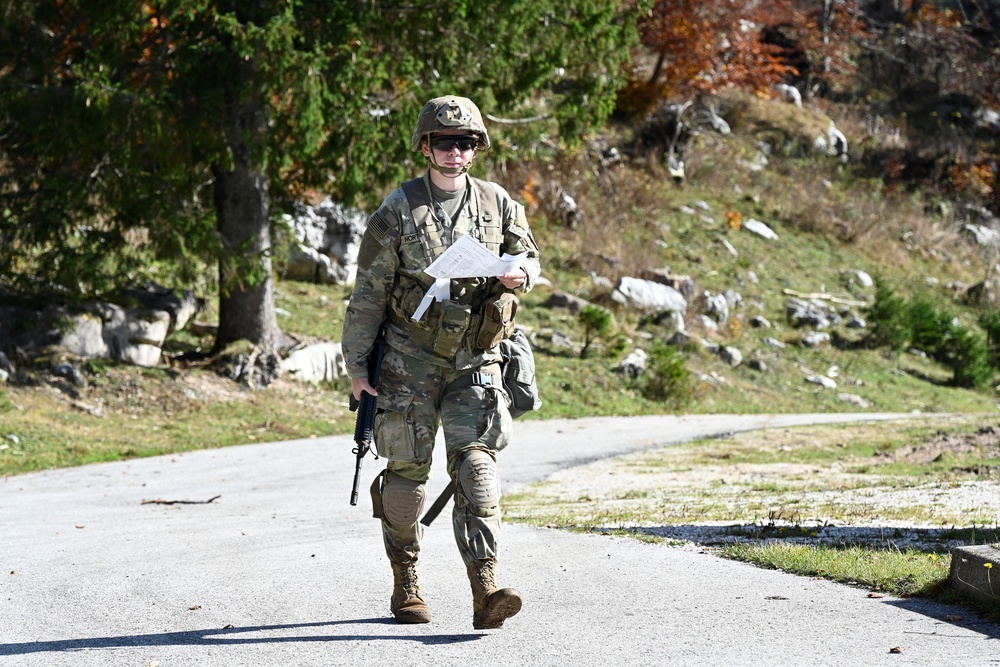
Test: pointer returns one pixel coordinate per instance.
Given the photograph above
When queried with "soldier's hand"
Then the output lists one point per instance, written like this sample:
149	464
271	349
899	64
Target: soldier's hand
513	279
361	385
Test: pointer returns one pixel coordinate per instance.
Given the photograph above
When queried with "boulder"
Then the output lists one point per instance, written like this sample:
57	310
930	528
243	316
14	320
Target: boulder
84	336
822	380
573	304
855	400
95	329
731	356
773	342
327	240
759	228
983	235
634	364
316	363
813	314
134	336
650	296
182	306
683	284
717	307
816	339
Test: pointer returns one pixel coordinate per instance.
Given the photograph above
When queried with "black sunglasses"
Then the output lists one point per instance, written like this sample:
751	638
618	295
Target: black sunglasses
445	142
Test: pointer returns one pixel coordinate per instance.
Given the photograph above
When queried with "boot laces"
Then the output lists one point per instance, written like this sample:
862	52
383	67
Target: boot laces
408	580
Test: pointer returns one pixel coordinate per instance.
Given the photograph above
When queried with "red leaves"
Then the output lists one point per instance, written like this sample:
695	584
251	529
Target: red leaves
709	45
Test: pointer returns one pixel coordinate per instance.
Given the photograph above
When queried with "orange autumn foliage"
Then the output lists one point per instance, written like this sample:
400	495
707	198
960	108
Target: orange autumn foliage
710	45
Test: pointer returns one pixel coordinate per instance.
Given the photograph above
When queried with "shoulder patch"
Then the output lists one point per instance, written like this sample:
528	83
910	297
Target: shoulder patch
378	225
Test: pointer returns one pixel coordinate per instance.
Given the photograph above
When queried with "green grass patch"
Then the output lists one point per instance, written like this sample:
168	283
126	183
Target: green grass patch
129	413
897	572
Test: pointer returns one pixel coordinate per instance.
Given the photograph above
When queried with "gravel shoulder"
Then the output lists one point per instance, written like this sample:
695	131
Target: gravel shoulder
904	484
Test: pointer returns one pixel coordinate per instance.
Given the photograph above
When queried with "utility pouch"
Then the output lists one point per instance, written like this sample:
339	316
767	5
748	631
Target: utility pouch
496	320
452	328
518	374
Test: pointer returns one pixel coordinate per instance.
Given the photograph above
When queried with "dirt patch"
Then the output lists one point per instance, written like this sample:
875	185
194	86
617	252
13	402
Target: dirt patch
985	442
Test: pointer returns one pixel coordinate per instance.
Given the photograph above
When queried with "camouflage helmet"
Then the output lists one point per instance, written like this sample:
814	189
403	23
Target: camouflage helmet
450	113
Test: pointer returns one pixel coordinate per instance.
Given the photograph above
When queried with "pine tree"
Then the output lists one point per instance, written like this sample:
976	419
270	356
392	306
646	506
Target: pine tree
174	130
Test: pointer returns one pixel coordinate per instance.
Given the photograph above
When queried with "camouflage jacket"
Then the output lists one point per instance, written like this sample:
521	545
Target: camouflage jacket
391	282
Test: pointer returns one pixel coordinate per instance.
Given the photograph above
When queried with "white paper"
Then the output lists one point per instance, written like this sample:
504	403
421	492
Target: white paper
468	258
439	291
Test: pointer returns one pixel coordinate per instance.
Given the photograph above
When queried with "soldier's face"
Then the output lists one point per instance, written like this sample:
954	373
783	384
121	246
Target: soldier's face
451	149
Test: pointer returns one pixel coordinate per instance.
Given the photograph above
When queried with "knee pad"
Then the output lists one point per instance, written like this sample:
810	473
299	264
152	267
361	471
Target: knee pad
477	483
402	500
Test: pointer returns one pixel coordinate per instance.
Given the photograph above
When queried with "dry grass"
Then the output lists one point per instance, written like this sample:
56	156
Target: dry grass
621	207
818	484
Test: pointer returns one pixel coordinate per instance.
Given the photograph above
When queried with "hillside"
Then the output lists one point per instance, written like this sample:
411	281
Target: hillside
830	224
834	222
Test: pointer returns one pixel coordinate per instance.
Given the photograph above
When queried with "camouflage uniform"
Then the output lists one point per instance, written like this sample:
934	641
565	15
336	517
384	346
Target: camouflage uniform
432	372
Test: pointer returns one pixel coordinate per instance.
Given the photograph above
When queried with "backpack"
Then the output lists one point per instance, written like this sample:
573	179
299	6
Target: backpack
518	371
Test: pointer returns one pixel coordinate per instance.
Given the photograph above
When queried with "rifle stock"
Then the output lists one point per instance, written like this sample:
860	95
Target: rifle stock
367	407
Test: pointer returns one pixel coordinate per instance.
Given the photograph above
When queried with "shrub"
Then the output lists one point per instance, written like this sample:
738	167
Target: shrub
967	354
888	318
938	333
922	323
667	378
990	322
929	326
597	322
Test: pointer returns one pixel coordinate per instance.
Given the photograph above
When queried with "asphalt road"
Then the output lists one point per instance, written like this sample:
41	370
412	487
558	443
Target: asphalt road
280	570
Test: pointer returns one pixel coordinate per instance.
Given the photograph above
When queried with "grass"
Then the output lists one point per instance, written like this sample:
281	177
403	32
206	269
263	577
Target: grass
127	413
902	573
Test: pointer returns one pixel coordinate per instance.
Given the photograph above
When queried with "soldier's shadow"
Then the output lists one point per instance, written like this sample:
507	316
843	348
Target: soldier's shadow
233	636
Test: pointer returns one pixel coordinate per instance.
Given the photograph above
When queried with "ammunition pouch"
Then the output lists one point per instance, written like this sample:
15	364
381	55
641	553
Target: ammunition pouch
452	328
496	320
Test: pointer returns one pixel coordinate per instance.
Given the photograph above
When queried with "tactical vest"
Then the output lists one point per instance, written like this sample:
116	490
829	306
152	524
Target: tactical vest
430	229
448	325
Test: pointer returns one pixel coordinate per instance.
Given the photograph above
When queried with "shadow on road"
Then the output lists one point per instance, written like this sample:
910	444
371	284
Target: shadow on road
928	540
231	636
966	618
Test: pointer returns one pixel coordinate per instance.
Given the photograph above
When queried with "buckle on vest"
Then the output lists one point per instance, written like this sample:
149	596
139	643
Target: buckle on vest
480	379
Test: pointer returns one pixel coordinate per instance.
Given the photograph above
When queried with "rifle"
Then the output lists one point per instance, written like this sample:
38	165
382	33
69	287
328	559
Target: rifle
364	426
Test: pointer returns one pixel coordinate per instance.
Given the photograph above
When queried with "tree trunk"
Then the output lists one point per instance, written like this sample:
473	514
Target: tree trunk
246	298
657	68
246	294
825	21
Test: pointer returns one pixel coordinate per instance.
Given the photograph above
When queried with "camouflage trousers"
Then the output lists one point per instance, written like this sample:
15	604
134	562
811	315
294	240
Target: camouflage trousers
470	406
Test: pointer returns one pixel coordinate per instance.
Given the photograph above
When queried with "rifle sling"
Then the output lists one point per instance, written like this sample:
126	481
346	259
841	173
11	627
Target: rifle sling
439	504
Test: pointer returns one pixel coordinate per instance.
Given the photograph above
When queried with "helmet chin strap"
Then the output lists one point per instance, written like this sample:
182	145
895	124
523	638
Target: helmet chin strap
449	172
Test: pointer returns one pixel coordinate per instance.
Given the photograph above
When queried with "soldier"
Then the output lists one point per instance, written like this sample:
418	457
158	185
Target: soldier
442	368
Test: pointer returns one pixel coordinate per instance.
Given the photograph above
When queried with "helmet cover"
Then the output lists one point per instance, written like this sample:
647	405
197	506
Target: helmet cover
450	113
